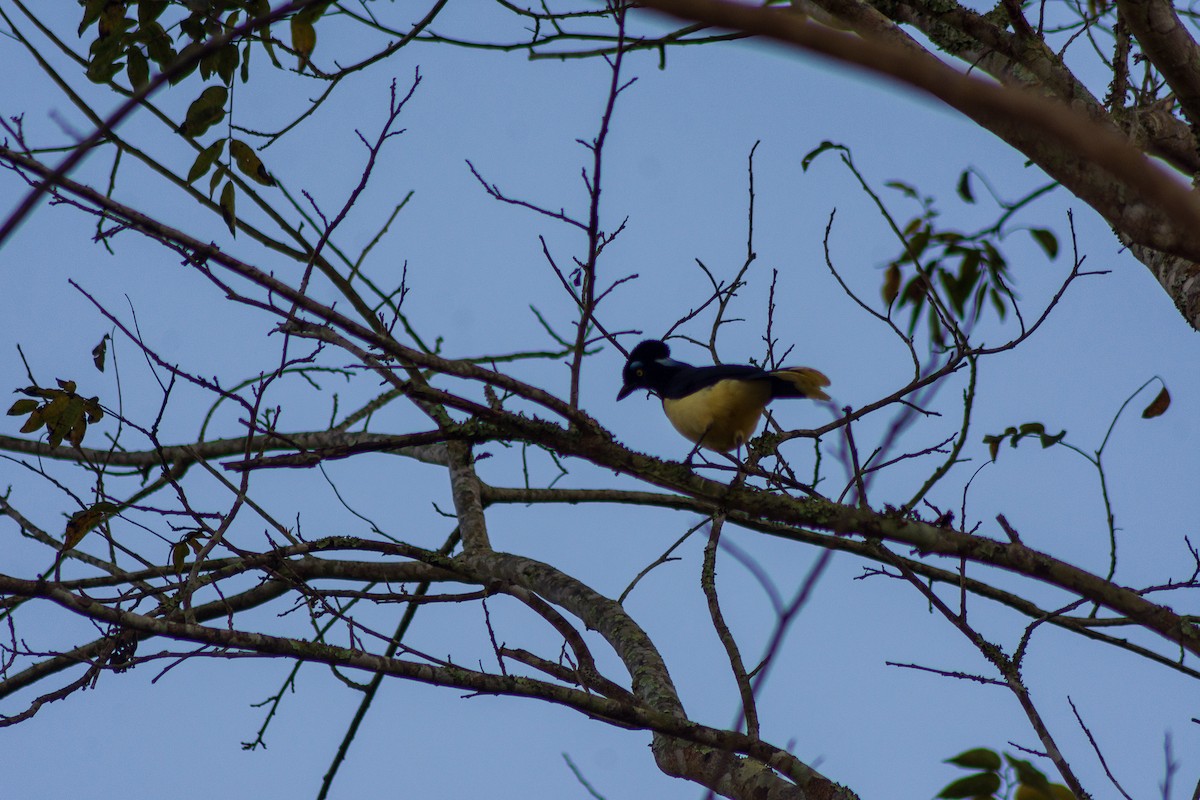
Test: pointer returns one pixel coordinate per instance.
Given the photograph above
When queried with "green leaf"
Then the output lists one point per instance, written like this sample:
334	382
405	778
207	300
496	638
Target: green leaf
102	71
63	424
208	65
193	25
23	406
811	155
1026	792
977	300
914	294
968	268
993	443
193	540
907	189
205	111
978	757
179	552
916	244
1049	441
219	173
998	303
113	21
246	64
158	45
92	408
248	163
205	160
950	284
304	38
36	420
137	68
1027	773
963	285
91	13
107	48
150	10
891	284
190	55
52	412
77	424
981	784
993	258
914	291
227	62
964	188
262	8
1047	240
227	207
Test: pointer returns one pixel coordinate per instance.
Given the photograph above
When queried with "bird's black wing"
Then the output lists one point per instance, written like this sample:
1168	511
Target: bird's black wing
693	379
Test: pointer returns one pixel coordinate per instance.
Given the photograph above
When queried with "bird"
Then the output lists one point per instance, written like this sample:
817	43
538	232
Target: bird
718	407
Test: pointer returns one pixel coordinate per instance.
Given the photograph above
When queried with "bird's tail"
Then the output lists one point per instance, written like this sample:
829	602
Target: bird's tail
798	382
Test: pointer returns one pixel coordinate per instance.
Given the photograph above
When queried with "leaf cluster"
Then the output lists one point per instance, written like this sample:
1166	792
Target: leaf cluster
62	412
194	541
1015	434
133	31
946	274
970	268
990	775
242	154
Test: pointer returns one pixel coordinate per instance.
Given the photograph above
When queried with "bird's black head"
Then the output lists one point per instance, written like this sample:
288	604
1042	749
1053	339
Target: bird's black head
646	367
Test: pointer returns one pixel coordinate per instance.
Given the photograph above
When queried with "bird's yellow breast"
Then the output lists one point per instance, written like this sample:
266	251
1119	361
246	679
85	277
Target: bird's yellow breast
722	416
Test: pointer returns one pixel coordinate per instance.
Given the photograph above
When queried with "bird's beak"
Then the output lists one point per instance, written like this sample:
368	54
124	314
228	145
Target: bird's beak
626	390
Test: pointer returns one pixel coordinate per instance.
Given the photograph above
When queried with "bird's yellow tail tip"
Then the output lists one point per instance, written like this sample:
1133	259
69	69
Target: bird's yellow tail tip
806	382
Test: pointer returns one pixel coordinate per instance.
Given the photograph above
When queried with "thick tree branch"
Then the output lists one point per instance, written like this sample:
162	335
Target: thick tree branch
314	446
1166	42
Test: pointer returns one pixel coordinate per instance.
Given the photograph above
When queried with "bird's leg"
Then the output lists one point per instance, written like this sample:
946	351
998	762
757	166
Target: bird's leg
699	444
687	462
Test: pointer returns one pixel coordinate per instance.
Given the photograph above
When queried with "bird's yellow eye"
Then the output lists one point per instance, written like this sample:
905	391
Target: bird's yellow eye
640	372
